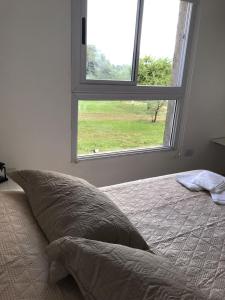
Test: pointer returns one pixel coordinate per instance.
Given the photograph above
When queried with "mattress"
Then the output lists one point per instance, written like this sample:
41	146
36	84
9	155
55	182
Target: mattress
186	227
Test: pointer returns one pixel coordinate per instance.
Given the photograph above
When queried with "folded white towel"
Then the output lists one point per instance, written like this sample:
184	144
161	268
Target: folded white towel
205	180
188	180
210	181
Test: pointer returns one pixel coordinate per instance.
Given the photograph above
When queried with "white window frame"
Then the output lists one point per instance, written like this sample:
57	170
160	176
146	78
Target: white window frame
83	89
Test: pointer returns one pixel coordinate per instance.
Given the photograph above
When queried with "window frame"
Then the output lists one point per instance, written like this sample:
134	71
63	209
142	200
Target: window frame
136	49
83	89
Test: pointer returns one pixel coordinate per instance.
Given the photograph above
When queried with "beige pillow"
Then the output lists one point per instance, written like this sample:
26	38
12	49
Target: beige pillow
65	205
109	271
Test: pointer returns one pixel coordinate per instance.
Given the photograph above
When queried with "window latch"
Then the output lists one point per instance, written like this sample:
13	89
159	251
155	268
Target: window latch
83	31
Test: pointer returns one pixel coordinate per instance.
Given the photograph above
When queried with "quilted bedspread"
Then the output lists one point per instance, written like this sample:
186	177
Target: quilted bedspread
187	227
23	261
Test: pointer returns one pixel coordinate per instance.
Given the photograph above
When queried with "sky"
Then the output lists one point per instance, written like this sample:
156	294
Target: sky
111	26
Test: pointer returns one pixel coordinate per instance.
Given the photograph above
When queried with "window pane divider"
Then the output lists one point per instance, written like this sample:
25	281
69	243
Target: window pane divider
124	97
137	41
133	93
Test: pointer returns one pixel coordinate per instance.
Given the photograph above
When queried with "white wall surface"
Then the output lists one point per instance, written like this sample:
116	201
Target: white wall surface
35	96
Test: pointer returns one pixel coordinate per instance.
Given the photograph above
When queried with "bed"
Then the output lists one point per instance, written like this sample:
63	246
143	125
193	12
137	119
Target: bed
186	227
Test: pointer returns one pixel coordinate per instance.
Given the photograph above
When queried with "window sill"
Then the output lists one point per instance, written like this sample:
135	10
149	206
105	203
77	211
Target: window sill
121	153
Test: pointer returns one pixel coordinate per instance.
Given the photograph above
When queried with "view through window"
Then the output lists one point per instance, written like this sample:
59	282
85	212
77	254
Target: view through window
105	126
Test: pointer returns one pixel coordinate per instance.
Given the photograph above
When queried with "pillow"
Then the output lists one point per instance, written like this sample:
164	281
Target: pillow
109	271
65	205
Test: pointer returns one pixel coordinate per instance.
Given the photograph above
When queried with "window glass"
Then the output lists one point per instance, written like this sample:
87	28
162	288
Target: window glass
162	42
108	126
110	39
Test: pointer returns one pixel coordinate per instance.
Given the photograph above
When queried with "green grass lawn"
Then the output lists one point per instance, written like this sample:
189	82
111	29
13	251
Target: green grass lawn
117	125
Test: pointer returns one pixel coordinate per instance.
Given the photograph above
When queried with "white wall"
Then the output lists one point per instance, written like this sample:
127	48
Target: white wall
35	96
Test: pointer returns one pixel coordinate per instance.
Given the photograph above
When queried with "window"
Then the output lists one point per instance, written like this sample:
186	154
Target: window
128	62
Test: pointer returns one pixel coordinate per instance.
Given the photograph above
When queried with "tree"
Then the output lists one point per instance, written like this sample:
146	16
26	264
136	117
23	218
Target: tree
154	108
155	72
99	67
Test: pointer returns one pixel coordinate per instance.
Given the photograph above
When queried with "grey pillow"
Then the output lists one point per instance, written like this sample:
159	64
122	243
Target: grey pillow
65	205
109	271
